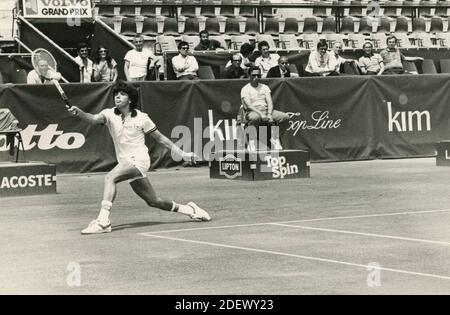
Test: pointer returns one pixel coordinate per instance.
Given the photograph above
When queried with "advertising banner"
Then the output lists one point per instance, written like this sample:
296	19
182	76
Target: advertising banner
57	9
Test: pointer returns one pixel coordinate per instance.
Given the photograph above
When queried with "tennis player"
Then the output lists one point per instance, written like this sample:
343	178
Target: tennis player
128	127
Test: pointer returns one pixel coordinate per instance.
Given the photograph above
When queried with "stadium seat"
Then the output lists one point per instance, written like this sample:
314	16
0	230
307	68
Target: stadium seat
289	42
444	39
403	40
238	40
384	26
291	26
365	25
128	27
191	26
188	11
251	26
232	26
436	25
271	26
418	25
191	40
410	67
428	66
356	40
165	11
401	25
165	44
440	10
208	9
127	10
355	11
228	11
310	25
407	12
268	39
423	39
148	11
107	11
205	73
445	65
319	10
247	11
348	25
350	68
170	26
333	37
390	10
212	26
149	27
267	12
426	12
329	25
309	40
379	40
221	39
19	76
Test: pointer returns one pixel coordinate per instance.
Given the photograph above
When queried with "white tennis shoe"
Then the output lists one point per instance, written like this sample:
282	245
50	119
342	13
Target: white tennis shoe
96	228
199	214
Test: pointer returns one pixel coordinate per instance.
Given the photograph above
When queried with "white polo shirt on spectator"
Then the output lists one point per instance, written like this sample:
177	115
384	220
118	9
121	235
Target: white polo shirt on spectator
138	62
188	63
87	69
258	96
266	63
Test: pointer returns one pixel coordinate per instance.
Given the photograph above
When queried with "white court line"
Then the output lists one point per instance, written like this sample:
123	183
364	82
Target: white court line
296	221
429	275
362	234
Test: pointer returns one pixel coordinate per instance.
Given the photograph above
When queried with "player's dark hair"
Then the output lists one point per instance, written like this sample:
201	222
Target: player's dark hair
132	92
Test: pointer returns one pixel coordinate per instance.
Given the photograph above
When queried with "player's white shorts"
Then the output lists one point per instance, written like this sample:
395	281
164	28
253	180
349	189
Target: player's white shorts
141	163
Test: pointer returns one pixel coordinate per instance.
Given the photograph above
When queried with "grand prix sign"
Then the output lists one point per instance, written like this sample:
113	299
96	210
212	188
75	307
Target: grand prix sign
57	8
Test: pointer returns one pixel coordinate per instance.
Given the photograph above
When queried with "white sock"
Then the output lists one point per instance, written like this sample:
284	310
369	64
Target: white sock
184	209
103	216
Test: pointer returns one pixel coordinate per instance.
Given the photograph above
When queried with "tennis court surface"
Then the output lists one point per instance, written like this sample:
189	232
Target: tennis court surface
367	227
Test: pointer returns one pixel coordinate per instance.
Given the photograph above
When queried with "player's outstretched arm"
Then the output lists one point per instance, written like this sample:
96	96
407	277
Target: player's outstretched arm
175	151
96	119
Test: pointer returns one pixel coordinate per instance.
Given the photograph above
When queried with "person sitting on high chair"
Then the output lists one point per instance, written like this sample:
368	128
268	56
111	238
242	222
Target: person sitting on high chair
258	107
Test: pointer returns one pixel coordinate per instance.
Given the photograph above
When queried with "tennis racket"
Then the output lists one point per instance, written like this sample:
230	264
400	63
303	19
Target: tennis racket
42	54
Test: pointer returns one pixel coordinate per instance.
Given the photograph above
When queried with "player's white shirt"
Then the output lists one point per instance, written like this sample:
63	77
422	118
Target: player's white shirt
129	136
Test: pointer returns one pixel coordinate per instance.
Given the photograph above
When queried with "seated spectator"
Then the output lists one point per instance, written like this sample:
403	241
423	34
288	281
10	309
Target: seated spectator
393	58
266	60
137	61
321	62
84	62
370	63
43	74
245	51
234	71
281	70
337	49
105	68
206	43
258	106
184	64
